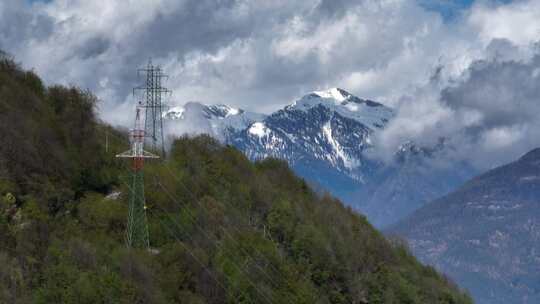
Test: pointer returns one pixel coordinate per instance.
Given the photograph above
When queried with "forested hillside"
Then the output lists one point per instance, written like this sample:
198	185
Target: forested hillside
222	229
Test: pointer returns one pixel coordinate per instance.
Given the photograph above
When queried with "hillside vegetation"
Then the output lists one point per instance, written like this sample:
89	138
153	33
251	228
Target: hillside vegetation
222	229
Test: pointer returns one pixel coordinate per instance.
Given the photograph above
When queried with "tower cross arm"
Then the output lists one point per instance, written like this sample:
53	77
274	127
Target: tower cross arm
131	154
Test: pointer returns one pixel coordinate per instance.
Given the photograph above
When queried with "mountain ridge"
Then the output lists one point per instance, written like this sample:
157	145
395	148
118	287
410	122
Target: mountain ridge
485	234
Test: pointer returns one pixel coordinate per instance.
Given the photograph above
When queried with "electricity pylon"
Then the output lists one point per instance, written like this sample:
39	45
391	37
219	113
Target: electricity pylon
153	103
137	227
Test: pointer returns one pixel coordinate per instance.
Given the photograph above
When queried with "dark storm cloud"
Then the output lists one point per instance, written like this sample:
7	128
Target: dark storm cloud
506	93
18	23
334	8
93	47
203	25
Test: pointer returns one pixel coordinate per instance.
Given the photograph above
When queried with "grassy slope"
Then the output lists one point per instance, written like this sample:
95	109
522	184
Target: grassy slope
224	230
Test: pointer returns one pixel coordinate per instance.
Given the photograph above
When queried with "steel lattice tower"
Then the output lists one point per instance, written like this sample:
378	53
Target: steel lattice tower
137	227
153	102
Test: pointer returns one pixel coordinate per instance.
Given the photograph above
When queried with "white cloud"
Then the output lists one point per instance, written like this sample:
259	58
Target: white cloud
500	138
260	55
517	22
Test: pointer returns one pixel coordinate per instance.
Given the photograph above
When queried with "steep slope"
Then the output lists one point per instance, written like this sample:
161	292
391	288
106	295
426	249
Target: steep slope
485	235
223	229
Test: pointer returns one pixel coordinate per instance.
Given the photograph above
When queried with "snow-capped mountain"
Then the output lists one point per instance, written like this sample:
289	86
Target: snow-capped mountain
367	112
326	130
326	136
220	121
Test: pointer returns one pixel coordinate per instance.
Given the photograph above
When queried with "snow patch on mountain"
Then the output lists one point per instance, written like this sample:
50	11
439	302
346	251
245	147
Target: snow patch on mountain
338	153
219	121
259	129
175	113
334	93
233	111
370	113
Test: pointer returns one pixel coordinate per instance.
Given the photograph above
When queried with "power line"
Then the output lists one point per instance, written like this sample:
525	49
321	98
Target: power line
226	232
204	209
137	227
210	273
216	243
171	231
258	252
198	202
205	234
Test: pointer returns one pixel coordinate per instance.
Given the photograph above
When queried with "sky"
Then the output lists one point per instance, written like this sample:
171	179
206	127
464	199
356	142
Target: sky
449	9
465	70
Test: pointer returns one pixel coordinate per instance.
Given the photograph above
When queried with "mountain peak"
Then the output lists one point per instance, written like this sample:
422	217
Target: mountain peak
335	93
336	100
334	97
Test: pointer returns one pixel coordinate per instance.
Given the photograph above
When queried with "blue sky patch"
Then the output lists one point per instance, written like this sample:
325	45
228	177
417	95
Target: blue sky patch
450	9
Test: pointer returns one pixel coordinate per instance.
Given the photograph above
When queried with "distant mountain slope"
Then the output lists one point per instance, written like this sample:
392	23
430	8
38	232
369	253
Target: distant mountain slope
415	177
486	234
223	230
325	136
